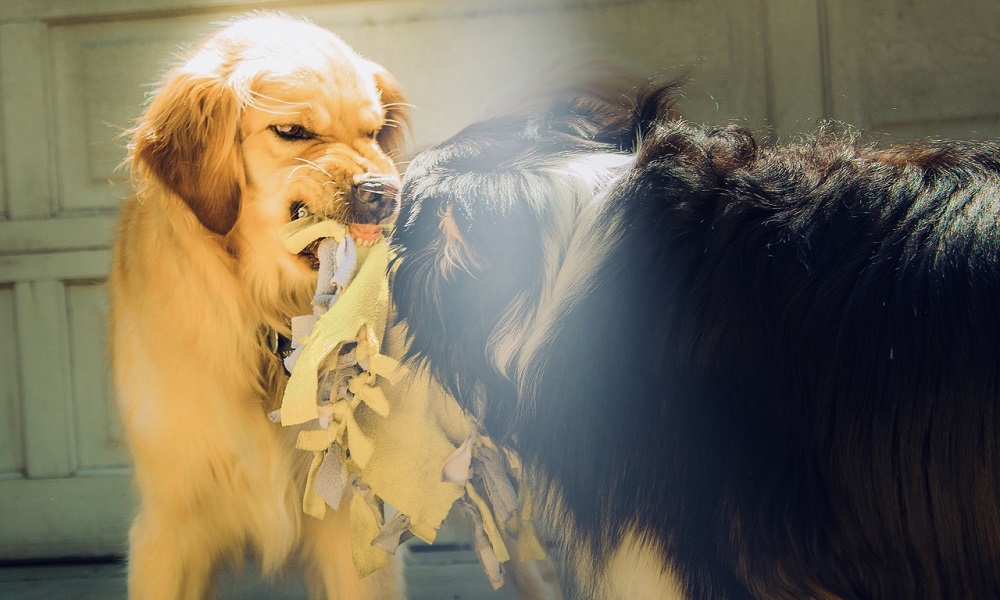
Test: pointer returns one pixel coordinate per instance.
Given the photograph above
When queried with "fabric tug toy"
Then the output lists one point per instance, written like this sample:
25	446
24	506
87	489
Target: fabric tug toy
382	434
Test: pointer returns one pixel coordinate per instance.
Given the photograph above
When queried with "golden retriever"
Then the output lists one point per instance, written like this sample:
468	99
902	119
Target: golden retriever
269	119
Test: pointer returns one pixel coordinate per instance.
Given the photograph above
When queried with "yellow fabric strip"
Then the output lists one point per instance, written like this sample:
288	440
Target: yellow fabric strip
316	440
386	367
312	504
365	527
360	446
362	386
301	232
528	546
489	524
363	304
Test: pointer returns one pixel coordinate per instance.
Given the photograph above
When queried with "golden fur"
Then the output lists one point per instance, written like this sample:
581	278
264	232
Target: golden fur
268	115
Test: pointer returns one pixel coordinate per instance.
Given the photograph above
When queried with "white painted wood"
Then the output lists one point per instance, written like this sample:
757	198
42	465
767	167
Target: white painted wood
795	66
469	58
88	264
65	490
4	208
102	74
24	109
11	452
81	516
55	235
42	337
913	68
69	10
97	426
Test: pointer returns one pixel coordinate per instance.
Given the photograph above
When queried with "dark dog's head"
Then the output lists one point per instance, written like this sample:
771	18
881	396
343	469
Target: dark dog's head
486	227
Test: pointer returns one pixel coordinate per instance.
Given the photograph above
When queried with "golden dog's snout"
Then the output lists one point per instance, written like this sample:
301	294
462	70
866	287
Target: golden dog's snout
374	198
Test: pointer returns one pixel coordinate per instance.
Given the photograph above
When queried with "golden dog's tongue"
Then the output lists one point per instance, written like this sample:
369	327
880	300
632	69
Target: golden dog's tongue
365	233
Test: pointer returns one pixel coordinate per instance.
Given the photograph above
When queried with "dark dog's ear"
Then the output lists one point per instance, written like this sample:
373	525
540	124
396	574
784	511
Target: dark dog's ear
392	136
189	138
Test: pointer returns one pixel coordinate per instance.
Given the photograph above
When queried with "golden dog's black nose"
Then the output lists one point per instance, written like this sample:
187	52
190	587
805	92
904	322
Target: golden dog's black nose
374	198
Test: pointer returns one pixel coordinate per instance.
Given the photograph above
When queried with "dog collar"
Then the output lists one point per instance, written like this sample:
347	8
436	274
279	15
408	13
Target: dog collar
279	345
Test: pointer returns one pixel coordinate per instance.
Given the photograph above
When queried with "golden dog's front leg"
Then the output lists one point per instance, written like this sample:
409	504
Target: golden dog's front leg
332	575
165	563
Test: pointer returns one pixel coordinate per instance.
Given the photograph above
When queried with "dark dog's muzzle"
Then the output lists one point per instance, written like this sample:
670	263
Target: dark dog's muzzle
374	199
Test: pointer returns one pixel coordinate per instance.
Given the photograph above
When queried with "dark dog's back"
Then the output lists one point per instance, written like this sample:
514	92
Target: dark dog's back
815	361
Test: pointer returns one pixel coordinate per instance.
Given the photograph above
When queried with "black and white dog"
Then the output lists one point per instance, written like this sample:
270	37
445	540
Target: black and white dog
737	371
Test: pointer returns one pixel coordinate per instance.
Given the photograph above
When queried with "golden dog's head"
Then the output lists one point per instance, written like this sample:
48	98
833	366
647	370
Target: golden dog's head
270	119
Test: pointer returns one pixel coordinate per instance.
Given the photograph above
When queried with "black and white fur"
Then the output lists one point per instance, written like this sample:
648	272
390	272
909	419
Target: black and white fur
735	371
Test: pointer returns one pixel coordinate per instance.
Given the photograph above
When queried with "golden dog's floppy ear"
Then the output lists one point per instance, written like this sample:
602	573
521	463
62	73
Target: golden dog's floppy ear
189	138
392	136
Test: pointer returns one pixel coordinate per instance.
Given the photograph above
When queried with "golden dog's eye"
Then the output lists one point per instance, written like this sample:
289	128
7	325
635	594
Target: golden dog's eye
292	133
298	211
372	134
